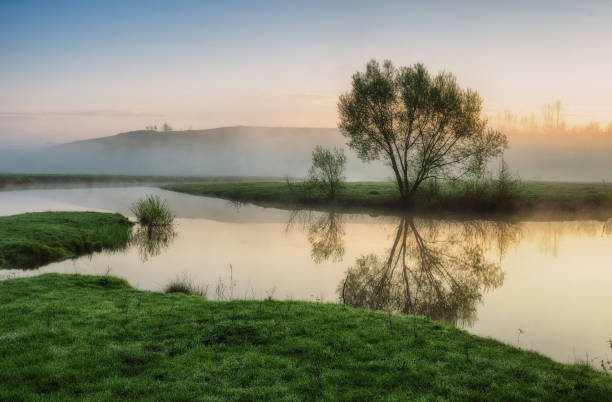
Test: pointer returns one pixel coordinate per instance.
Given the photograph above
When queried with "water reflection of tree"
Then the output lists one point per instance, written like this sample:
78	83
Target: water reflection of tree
607	227
552	234
429	270
150	242
325	234
491	234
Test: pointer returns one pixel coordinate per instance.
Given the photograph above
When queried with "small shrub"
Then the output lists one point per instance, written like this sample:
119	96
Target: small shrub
184	284
506	184
327	170
152	211
506	187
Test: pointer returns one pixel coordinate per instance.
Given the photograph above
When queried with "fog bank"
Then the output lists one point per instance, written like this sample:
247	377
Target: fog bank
278	151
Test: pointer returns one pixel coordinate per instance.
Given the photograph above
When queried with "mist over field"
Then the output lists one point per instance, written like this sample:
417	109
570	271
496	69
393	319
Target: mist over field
560	156
235	151
557	155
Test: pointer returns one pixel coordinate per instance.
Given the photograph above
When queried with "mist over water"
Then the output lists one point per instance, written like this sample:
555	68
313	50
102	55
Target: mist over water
560	155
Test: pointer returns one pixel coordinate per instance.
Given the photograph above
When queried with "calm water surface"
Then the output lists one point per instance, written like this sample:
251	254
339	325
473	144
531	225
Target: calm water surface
545	286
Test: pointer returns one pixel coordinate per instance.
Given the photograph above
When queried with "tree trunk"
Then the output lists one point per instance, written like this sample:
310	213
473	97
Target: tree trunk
406	195
405	190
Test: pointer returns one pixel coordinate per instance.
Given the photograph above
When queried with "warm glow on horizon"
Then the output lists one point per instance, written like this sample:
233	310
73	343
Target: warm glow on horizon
76	71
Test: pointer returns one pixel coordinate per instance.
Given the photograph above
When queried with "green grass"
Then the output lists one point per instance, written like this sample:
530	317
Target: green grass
151	211
528	197
34	239
68	337
186	285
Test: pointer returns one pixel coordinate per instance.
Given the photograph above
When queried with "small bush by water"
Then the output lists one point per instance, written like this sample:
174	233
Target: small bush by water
185	284
152	211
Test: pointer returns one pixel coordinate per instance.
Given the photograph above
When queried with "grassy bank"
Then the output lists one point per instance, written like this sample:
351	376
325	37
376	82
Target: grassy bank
34	239
72	337
527	198
16	180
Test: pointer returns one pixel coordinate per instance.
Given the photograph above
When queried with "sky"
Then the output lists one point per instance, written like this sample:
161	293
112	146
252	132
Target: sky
83	69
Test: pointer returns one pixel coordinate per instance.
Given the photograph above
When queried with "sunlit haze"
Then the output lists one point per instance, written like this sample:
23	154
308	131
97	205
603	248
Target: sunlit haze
77	70
289	200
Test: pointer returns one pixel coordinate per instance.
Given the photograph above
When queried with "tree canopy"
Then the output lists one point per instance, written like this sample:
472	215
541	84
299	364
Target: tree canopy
424	127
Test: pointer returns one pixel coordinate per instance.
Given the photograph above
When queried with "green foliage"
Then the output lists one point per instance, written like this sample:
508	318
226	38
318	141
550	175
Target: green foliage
327	169
152	211
425	127
34	239
70	337
507	186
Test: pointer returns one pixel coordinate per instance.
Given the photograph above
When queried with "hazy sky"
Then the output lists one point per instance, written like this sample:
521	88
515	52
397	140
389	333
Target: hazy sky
71	70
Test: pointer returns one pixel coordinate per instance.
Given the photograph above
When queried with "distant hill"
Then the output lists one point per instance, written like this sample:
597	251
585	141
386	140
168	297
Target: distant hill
286	151
237	151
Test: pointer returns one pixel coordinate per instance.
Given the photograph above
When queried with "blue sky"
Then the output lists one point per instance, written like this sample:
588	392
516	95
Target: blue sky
81	69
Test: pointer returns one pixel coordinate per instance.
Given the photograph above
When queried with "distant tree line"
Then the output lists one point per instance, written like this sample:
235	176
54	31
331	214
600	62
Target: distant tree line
550	120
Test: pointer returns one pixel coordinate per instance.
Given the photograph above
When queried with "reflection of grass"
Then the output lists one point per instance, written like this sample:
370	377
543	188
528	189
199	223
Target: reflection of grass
34	239
67	337
151	241
528	196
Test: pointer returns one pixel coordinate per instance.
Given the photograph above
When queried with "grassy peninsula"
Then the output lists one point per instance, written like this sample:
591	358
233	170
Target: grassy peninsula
34	239
593	199
68	337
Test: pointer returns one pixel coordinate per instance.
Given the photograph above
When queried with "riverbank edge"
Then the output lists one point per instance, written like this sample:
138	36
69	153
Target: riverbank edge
68	336
533	201
34	239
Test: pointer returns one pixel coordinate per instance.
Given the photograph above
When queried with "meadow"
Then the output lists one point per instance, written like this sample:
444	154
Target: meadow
69	337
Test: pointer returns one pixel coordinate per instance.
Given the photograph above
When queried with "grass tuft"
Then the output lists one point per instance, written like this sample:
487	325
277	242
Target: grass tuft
184	284
152	211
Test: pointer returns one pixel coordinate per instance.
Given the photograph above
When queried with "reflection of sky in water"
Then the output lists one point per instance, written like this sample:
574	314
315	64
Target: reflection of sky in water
555	276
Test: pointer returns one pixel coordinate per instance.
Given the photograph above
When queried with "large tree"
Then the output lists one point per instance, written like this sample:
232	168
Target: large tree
424	127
